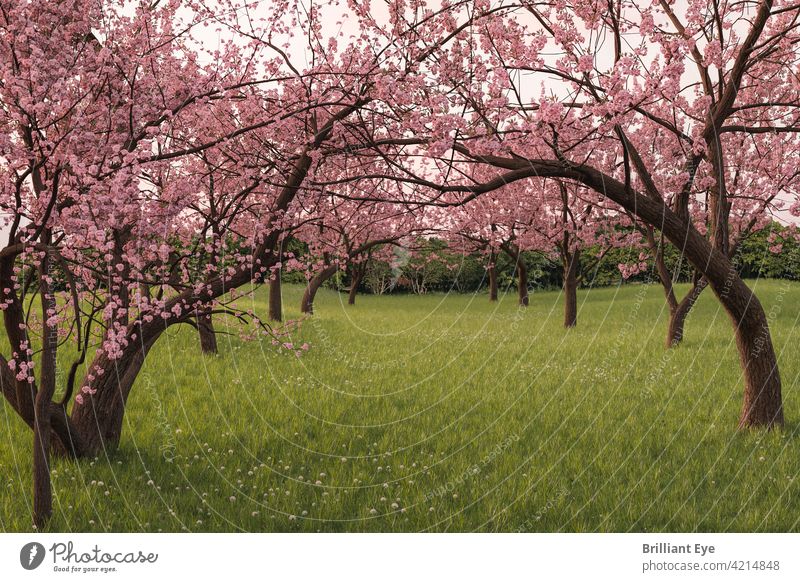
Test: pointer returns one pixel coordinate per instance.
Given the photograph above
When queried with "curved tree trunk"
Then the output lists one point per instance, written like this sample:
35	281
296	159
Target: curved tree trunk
677	317
678	311
571	269
208	337
664	276
99	418
677	321
762	403
307	303
275	298
24	393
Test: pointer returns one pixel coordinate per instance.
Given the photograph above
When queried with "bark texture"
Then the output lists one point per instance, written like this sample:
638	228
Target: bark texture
275	298
522	283
678	315
356	275
307	303
100	422
521	271
572	263
208	337
678	310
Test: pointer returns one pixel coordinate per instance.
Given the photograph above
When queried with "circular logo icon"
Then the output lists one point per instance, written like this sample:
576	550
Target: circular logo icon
31	555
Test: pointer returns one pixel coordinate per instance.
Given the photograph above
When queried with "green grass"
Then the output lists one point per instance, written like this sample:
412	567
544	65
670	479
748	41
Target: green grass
466	415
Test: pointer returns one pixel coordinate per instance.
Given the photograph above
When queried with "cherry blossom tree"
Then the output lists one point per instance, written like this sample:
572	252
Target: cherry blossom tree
576	221
635	101
81	104
343	234
502	222
758	188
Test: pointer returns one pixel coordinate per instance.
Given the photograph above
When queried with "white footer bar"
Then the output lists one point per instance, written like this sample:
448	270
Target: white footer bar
390	557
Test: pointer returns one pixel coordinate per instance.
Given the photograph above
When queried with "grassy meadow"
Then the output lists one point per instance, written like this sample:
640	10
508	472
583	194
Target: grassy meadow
441	413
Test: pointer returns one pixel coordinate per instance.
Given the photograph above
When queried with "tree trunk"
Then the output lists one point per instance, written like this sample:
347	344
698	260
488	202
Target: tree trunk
42	436
99	418
678	311
664	276
678	315
522	272
571	268
522	281
307	303
357	275
13	322
275	298
42	487
492	277
762	403
718	206
208	337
